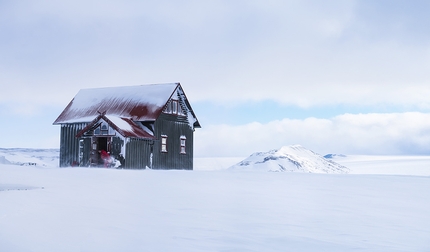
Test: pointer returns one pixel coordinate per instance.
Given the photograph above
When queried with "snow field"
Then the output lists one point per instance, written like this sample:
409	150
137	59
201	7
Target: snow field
393	165
81	209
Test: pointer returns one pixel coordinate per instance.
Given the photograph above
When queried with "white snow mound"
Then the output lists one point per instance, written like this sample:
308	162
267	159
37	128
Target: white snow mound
294	158
3	160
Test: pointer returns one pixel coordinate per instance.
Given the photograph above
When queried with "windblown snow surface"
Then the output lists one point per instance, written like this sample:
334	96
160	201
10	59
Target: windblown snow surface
46	208
294	158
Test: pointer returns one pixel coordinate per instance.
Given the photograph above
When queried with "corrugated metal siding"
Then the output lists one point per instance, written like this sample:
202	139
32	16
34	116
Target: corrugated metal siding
85	161
117	144
138	153
173	127
69	144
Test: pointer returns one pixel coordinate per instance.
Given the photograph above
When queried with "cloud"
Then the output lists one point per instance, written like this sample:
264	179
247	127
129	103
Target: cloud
299	53
303	53
384	134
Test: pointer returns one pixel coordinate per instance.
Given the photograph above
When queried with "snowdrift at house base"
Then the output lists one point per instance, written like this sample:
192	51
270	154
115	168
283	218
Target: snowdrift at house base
294	158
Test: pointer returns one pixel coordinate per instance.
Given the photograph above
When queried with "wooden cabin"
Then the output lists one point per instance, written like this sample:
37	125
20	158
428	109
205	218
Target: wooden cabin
147	126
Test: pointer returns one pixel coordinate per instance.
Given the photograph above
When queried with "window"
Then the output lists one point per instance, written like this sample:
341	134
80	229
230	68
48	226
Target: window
180	112
163	143
104	128
174	107
182	140
168	109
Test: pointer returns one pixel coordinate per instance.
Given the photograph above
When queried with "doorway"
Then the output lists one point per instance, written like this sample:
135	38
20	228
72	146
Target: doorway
97	145
102	144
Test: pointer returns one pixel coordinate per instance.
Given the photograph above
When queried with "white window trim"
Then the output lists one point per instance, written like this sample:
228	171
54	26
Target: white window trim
163	146
175	107
182	148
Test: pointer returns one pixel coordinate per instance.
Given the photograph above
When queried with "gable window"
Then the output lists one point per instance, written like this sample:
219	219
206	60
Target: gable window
168	109
103	129
182	140
174	107
163	143
180	112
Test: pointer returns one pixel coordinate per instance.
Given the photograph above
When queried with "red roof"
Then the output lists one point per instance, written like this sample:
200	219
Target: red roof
137	103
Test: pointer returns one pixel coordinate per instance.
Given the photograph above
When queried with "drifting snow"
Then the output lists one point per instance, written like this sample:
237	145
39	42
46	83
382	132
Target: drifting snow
85	209
293	158
97	209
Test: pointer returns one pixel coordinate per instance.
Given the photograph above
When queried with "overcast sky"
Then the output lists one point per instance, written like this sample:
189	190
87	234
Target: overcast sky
343	76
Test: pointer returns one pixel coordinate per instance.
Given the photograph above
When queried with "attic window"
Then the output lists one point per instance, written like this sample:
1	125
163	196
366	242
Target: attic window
180	112
173	107
103	129
163	143
168	109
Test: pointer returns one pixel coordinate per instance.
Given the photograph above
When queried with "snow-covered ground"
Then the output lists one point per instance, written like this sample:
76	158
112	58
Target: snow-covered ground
45	208
393	165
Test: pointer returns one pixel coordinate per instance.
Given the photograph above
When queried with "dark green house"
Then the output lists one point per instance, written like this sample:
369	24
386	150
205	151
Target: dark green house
147	126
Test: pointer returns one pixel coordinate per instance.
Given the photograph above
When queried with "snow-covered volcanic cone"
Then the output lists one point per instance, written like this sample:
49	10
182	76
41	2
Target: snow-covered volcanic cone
294	158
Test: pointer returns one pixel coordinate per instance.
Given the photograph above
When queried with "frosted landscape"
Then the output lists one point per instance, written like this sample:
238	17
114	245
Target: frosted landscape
380	204
347	80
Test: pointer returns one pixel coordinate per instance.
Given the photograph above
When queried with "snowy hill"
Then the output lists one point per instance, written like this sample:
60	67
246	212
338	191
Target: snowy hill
294	158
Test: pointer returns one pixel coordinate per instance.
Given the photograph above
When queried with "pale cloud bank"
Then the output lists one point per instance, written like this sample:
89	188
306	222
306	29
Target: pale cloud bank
393	133
300	53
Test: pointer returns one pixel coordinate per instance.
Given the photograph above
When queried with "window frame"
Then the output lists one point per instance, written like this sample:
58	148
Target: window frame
174	107
104	128
163	145
182	145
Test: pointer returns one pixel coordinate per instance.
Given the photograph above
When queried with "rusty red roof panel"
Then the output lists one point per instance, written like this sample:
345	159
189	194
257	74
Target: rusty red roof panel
138	103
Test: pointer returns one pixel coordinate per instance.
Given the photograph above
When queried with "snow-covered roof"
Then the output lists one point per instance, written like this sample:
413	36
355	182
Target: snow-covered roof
137	103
